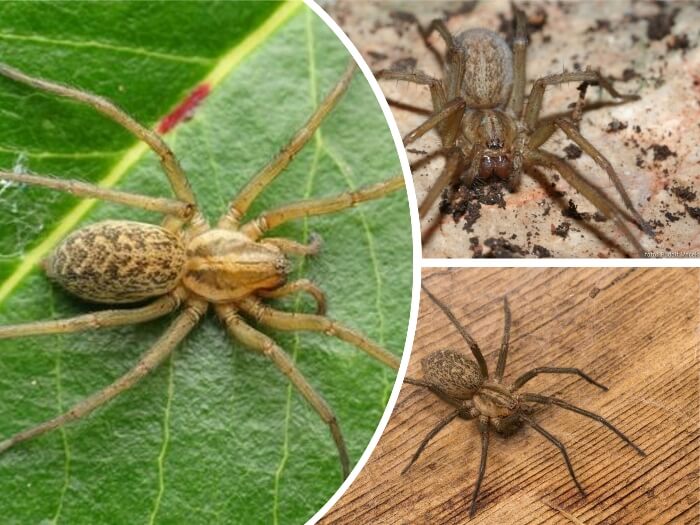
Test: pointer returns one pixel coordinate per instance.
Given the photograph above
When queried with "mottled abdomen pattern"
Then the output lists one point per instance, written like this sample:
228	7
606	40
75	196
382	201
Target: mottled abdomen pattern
456	375
118	262
488	69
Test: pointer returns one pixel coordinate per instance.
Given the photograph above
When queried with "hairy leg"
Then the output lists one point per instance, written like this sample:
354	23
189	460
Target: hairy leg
573	134
548	400
520	381
300	285
451	112
240	204
473	346
291	247
315	323
590	192
172	207
172	168
259	342
484	430
433	432
177	331
273	218
534	103
454	162
95	320
519	62
437	89
503	354
557	444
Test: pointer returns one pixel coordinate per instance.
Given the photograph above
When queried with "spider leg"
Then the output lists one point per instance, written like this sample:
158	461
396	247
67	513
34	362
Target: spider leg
437	90
437	428
519	62
590	192
425	33
557	444
300	285
484	430
408	107
95	320
520	381
172	207
503	354
454	161
573	134
534	103
548	400
177	331
240	204
453	110
255	340
291	247
172	168
293	321
273	218
473	346
435	389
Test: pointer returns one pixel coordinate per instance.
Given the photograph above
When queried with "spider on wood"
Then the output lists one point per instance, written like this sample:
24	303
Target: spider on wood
185	264
487	128
466	385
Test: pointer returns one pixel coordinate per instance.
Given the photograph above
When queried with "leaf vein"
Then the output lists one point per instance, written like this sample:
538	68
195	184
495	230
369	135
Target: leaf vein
93	44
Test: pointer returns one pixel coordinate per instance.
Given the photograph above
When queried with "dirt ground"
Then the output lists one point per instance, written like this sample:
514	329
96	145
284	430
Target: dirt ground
648	48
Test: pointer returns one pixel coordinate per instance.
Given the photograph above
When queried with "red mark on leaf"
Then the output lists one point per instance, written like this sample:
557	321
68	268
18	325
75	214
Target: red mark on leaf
185	109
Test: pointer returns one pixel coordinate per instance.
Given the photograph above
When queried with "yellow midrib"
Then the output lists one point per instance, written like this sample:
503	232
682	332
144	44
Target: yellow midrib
221	70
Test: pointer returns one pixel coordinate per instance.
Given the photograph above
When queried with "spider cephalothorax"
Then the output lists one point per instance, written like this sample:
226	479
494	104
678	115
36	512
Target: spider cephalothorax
185	264
467	386
487	127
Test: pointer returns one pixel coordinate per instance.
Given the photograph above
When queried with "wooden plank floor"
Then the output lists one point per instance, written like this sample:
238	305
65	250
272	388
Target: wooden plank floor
635	330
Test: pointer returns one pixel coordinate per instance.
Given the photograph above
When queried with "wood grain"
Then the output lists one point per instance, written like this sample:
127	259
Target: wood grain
635	330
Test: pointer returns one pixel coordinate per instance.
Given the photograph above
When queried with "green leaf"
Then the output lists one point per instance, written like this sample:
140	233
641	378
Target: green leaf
216	435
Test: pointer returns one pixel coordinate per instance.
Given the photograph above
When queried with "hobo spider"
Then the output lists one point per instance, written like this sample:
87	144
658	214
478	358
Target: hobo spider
466	385
488	129
185	264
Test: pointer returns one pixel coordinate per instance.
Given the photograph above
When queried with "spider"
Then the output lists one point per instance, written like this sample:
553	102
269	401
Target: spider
487	128
187	265
466	385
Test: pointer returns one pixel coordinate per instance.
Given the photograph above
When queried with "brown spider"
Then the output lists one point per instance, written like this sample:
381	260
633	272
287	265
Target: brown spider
466	385
487	129
186	264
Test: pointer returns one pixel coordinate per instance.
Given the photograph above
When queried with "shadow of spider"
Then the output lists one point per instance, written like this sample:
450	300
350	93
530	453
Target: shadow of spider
186	265
466	385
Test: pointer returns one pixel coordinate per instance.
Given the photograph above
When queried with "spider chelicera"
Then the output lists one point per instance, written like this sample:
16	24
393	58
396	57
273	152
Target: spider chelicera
466	385
187	265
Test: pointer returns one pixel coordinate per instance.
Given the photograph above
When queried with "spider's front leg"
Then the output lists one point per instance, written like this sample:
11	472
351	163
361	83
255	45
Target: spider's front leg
241	203
534	103
322	206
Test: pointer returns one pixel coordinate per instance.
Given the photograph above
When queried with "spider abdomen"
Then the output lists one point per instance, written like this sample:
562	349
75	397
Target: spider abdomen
488	68
118	262
457	376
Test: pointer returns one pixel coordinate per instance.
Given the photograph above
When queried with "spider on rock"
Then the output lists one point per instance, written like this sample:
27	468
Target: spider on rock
187	265
488	129
466	385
